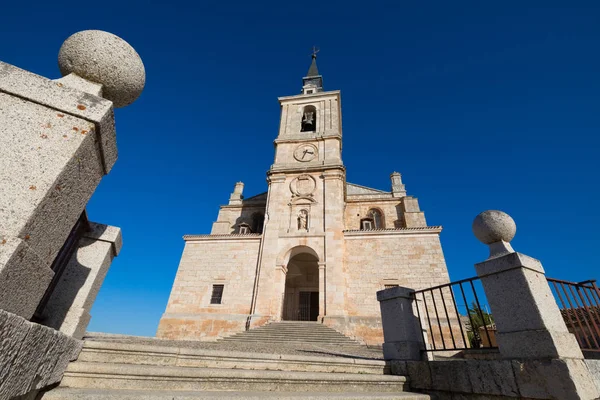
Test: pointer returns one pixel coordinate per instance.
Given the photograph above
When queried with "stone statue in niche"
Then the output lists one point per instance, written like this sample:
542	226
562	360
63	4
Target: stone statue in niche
303	220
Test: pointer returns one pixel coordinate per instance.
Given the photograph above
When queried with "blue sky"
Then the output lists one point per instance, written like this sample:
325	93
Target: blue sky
480	105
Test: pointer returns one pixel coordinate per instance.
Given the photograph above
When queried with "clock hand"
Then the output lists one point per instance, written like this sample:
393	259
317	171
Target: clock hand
304	154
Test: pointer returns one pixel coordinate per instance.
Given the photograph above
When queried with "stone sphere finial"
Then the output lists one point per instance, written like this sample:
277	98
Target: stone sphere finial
105	59
494	226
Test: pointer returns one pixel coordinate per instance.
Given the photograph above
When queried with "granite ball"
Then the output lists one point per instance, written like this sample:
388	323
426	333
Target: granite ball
493	226
104	58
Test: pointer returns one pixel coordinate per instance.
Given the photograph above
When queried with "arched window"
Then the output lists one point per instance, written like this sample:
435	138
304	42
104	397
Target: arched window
377	218
309	119
258	220
374	220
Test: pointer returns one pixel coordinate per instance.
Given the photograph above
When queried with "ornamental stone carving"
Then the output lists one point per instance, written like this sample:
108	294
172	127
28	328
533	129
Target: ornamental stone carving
304	185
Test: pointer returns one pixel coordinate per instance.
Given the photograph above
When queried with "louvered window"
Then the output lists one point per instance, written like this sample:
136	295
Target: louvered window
217	294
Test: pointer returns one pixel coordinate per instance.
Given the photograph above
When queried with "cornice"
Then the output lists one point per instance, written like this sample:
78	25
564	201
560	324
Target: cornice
231	236
245	205
300	139
308	98
425	230
286	168
372	198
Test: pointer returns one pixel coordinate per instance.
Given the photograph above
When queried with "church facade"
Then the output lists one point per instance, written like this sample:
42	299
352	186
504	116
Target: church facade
312	248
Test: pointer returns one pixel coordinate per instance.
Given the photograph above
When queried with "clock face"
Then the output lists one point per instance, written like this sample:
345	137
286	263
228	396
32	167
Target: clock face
305	152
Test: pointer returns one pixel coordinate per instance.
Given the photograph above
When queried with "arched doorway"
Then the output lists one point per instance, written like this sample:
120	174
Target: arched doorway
301	296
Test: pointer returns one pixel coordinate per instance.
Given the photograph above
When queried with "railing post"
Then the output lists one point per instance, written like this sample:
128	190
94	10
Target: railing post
530	327
401	329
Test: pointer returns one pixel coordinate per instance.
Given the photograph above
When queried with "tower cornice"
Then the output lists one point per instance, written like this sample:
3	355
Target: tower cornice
300	98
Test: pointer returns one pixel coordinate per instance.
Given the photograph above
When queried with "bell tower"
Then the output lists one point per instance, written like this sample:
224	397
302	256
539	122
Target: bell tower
304	218
310	131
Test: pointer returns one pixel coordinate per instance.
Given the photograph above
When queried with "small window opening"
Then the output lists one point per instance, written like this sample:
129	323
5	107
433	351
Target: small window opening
244	229
309	119
217	294
390	286
309	92
366	224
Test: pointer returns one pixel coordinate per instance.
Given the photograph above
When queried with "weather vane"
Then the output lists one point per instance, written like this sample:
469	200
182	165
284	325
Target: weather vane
315	51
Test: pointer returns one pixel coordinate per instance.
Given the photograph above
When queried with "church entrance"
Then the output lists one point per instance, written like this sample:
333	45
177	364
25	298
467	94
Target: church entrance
301	296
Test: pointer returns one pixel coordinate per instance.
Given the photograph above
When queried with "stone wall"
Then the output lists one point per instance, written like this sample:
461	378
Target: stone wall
376	259
208	260
594	367
32	356
488	379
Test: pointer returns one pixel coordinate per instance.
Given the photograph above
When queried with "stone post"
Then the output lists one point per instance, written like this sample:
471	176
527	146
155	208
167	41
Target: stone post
398	189
401	329
237	195
58	140
530	327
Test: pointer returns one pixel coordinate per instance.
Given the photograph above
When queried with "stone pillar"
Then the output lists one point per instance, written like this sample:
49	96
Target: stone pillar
58	140
68	309
530	327
237	195
279	289
413	216
398	189
401	328
322	294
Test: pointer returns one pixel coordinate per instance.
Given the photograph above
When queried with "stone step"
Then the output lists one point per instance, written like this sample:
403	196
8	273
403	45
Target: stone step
127	353
290	340
283	336
93	375
104	394
263	331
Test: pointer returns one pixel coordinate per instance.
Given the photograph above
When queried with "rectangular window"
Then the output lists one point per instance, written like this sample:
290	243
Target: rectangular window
389	286
244	230
217	294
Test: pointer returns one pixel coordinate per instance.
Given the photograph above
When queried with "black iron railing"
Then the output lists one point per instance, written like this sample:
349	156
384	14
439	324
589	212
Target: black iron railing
60	262
579	304
446	325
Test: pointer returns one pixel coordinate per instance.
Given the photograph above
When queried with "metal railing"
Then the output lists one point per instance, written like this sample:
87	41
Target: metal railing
447	328
579	304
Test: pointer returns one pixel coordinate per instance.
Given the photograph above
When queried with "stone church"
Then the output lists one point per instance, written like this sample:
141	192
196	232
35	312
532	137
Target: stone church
312	248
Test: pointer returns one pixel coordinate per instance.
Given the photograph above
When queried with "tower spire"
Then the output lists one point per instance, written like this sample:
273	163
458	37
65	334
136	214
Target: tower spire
313	70
313	81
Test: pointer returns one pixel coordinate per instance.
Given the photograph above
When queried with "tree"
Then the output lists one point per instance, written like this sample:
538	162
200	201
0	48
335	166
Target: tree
477	319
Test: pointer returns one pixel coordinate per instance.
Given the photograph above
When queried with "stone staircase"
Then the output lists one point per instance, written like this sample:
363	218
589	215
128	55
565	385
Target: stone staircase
129	368
293	331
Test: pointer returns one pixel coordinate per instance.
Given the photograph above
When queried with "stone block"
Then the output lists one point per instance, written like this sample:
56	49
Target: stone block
398	367
538	344
419	374
594	368
492	378
24	277
402	350
566	379
451	376
32	356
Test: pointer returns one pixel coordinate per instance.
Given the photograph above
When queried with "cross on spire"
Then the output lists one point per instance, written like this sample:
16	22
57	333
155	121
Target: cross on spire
313	81
315	51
